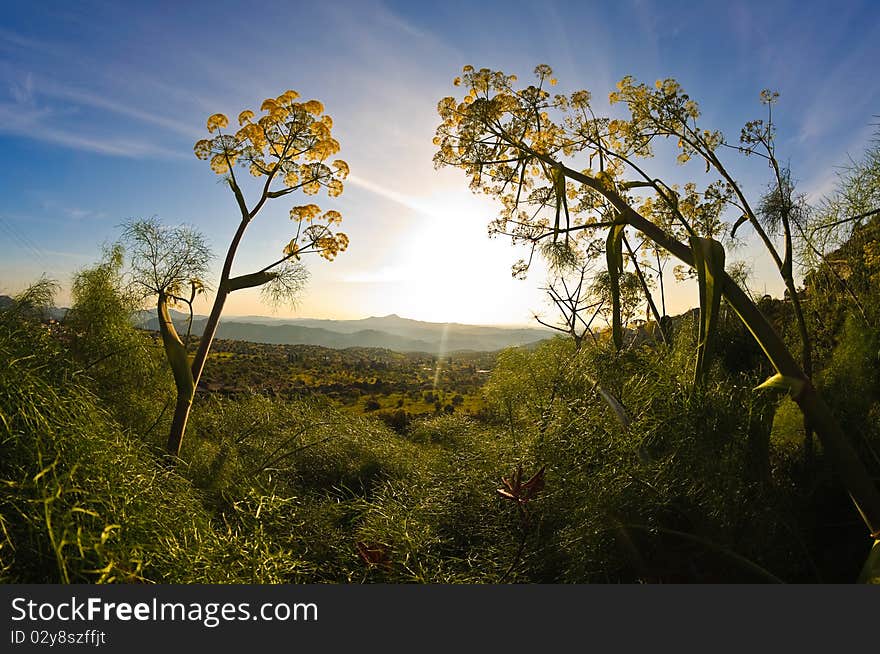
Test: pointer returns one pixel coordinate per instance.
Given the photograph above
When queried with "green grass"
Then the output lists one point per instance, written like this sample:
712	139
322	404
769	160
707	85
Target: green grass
702	484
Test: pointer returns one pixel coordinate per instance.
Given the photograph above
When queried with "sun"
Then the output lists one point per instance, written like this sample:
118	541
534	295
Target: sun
439	265
455	273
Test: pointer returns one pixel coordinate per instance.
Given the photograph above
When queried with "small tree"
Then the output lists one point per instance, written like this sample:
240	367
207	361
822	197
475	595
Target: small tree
853	205
103	337
286	148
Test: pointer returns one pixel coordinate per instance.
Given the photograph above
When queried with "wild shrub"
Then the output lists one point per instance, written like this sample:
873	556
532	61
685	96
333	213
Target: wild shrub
82	501
123	364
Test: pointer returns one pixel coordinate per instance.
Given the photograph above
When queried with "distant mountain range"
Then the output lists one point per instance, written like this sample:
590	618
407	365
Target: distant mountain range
391	332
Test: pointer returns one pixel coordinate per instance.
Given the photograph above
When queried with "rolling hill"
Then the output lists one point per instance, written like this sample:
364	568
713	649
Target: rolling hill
391	332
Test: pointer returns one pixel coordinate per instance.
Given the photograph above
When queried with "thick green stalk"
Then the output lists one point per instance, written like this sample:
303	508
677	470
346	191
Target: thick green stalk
709	263
175	352
837	447
181	410
614	257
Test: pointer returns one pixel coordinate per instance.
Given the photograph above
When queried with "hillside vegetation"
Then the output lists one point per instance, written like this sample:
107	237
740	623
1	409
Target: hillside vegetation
705	484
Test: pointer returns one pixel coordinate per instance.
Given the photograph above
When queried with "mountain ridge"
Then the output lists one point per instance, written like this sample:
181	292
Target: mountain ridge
390	332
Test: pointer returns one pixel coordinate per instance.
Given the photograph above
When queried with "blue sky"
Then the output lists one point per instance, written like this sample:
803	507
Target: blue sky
100	103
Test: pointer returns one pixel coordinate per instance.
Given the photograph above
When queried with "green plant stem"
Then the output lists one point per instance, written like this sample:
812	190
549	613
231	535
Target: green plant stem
835	443
742	561
524	524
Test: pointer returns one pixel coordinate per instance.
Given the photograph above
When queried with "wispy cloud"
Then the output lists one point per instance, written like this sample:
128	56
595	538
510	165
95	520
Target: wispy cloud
390	194
119	147
838	95
11	40
23	92
71	212
24	115
95	100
